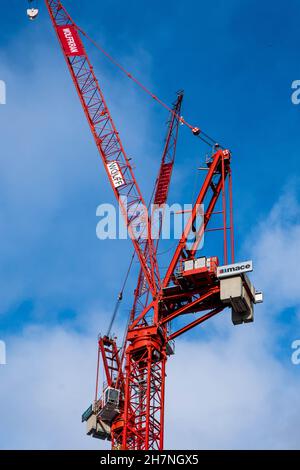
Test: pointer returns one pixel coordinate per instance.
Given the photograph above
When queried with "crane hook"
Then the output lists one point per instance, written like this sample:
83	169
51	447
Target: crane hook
32	12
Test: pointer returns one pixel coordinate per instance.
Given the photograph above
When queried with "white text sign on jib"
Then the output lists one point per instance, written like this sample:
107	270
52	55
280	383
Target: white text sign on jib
115	174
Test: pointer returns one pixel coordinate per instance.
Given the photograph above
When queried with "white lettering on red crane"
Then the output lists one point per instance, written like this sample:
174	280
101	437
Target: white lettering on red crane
115	174
70	40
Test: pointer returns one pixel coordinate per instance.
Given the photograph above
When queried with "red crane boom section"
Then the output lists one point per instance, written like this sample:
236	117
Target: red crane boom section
116	162
161	190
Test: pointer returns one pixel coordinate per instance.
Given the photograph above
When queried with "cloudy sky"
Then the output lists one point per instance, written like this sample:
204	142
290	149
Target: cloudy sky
227	387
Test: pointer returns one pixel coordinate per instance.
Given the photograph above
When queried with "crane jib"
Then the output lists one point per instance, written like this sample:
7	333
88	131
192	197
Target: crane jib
70	40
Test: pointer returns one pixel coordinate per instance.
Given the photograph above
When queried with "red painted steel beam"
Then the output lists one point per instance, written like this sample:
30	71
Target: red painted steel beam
207	217
137	320
195	323
162	186
216	161
189	306
104	361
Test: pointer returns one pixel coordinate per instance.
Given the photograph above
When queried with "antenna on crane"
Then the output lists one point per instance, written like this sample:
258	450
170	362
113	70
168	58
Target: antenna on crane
32	12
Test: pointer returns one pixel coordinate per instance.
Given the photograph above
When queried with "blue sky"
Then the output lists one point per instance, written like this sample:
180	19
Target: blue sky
236	62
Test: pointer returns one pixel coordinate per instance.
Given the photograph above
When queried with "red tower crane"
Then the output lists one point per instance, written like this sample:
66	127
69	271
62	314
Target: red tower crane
129	410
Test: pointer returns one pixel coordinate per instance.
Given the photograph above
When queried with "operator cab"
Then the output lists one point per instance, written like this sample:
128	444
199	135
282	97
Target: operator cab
110	406
100	415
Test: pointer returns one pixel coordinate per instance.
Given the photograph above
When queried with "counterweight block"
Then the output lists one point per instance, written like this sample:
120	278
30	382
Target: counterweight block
238	292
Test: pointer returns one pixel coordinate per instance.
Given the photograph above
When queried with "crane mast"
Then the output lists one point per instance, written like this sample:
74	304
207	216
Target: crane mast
129	411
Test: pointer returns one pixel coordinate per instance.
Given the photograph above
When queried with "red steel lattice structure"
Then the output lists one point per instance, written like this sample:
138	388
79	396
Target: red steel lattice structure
139	423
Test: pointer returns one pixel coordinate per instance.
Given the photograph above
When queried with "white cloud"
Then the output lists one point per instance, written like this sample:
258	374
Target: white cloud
276	250
233	392
47	383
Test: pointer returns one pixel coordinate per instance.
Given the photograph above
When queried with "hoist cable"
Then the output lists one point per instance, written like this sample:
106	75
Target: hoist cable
120	297
196	131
